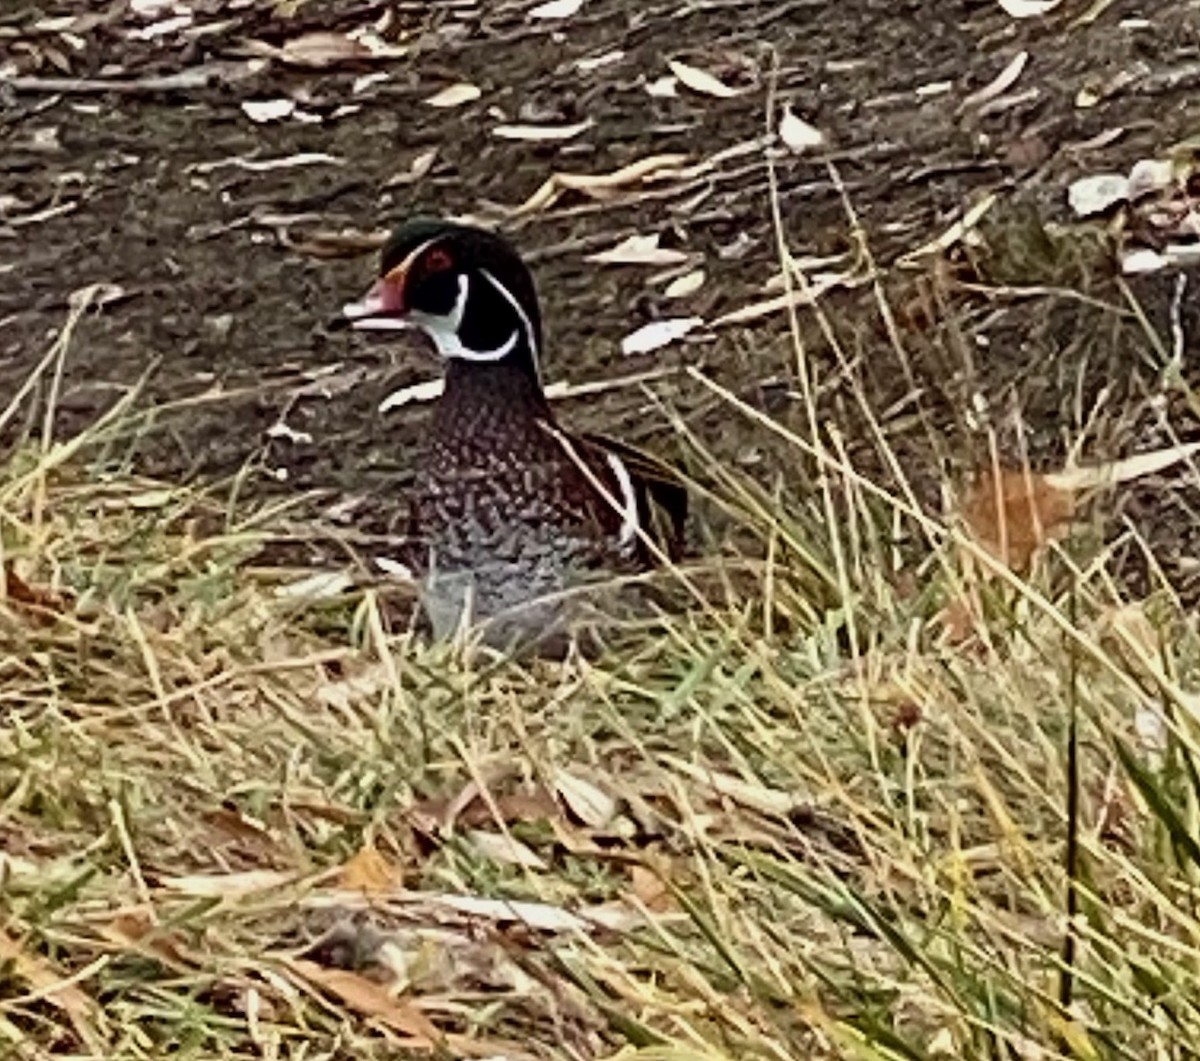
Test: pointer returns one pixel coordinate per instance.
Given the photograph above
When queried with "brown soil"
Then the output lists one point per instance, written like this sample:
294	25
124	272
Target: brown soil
225	311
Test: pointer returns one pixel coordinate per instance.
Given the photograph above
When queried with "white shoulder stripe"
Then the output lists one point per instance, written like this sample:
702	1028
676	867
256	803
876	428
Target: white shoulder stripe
629	506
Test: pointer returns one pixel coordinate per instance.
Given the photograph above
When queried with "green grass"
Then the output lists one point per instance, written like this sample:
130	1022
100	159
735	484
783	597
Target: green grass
800	821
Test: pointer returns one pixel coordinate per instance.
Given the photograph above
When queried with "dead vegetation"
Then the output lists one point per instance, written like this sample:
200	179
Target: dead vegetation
916	775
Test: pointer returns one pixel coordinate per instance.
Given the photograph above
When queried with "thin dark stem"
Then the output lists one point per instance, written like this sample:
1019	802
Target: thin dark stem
1066	988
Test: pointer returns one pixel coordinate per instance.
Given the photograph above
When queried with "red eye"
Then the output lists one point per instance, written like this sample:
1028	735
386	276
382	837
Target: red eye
438	260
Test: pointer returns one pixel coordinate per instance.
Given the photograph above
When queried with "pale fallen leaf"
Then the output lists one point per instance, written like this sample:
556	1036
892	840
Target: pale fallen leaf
506	850
638	250
281	430
683	286
1088	477
1028	8
591	805
365	81
455	95
1143	260
369	871
541	916
594	62
700	80
1150	175
321	49
600	185
267	165
1000	83
395	570
417	169
161	29
370	999
1097	193
665	87
323	585
955	233
623	917
228	885
797	135
818	285
556	9
268	110
657	334
379	47
541	132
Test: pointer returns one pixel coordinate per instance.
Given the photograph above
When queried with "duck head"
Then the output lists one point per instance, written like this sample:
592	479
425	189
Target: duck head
464	287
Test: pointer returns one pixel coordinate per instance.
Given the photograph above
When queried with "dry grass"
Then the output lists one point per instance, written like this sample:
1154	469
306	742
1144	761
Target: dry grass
807	821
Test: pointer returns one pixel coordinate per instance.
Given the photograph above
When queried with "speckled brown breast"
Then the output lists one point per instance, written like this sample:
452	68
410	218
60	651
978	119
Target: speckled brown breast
504	520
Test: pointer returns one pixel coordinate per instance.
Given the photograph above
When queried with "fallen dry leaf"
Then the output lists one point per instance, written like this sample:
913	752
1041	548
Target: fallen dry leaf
1000	83
268	110
594	62
600	185
1151	175
370	872
556	9
683	286
1013	514
134	928
1028	8
418	168
650	889
665	87
66	996
700	80
228	885
541	133
505	849
657	334
591	805
314	50
1089	477
955	233
455	95
370	999
39	603
1095	194
540	916
797	135
638	250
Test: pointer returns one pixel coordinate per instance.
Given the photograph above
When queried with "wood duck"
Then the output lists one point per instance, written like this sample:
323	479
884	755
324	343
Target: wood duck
509	515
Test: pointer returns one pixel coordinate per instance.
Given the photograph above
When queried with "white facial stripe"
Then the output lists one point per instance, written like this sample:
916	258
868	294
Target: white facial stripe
629	506
443	329
526	324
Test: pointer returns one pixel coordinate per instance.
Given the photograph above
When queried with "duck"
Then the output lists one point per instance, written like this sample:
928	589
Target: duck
511	518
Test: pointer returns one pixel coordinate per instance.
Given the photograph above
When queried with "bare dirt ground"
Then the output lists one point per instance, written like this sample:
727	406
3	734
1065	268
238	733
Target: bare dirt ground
124	162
